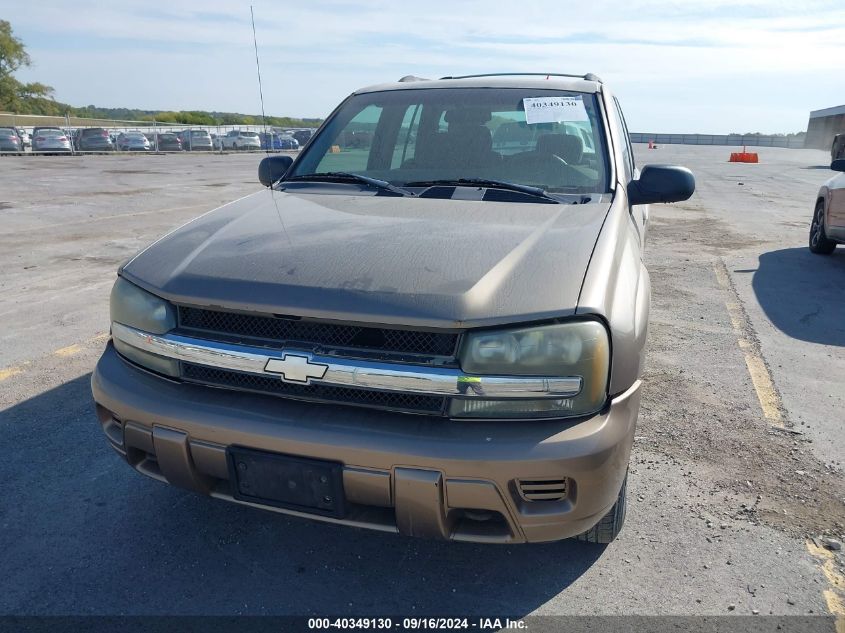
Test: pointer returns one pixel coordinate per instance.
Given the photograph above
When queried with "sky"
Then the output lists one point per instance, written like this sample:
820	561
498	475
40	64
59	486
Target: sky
691	66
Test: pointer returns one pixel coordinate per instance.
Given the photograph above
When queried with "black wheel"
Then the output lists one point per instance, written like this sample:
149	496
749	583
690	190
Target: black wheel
606	530
819	244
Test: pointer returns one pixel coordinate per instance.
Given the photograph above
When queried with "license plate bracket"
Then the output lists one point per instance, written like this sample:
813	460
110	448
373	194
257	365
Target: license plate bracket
308	485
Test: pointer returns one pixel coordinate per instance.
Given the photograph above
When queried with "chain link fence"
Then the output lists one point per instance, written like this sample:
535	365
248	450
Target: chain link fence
734	140
105	135
276	139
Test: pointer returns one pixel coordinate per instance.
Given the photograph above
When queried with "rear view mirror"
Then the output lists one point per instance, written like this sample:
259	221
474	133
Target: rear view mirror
838	164
661	183
272	168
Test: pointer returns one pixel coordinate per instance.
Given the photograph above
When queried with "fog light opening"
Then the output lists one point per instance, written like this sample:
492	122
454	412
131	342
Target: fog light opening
479	515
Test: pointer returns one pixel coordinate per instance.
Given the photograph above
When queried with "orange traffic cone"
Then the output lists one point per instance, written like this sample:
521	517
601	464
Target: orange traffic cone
744	157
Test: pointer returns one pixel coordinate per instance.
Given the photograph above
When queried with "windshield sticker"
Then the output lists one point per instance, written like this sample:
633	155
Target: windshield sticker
554	109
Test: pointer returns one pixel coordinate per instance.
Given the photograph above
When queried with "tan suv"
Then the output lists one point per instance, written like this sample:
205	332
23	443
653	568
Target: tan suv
414	328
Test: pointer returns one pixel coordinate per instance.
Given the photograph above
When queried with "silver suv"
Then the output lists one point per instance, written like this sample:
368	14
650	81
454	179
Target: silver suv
423	325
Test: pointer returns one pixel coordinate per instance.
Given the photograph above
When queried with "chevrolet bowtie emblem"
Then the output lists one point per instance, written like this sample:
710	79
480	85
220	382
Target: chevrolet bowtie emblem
293	368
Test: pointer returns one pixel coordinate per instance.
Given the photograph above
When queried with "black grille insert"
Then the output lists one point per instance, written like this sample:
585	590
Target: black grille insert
410	402
283	331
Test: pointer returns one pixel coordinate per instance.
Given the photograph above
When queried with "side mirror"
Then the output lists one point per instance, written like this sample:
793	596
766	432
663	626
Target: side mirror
838	164
661	183
271	168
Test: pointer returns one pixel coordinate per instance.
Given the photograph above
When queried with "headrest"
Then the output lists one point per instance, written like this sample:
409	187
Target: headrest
567	146
467	116
470	138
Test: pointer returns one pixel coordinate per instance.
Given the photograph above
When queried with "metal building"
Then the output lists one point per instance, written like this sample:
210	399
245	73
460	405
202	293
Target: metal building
823	126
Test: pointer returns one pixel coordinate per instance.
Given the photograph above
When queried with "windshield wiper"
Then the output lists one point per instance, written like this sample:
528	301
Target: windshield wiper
344	176
486	182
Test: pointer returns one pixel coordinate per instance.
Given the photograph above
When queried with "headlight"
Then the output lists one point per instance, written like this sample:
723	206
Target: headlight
579	348
139	309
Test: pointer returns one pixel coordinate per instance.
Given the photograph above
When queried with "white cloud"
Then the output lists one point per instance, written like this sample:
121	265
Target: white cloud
198	53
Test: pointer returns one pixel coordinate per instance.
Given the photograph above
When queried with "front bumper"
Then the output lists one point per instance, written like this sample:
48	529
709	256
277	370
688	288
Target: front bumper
416	475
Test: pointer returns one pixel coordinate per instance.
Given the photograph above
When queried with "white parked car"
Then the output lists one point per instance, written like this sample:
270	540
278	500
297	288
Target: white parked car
240	139
51	140
134	141
195	140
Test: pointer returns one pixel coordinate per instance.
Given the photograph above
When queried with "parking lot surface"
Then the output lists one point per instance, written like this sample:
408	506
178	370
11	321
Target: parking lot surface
737	459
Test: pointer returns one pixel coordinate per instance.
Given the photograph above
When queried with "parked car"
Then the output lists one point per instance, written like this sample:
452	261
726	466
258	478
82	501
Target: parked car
828	226
277	141
240	139
37	130
837	148
51	140
25	138
288	142
195	140
133	141
303	136
269	140
441	342
168	142
93	139
216	141
9	140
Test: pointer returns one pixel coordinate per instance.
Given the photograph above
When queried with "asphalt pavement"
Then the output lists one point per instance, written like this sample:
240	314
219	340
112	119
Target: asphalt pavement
737	462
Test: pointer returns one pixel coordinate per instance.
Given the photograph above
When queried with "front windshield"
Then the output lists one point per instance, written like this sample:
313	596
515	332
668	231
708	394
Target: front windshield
423	135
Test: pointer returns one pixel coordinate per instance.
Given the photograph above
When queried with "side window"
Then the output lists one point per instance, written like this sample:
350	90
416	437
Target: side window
622	133
627	149
406	140
442	126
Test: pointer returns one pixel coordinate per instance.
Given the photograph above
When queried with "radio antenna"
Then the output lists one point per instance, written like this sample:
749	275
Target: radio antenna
267	139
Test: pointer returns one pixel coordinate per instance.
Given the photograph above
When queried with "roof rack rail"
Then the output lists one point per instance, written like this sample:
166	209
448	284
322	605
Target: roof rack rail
587	77
412	78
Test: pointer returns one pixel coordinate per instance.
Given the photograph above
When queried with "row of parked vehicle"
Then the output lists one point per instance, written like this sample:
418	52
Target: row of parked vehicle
13	139
97	139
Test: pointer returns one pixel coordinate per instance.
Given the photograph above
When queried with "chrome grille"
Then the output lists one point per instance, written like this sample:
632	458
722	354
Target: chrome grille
394	401
286	331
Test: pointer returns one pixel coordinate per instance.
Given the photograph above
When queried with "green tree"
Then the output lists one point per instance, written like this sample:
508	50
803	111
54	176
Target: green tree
13	54
34	97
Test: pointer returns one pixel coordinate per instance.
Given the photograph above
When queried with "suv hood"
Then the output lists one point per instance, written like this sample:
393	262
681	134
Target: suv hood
378	259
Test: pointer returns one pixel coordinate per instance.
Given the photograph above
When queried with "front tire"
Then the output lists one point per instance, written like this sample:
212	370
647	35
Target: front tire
819	242
606	530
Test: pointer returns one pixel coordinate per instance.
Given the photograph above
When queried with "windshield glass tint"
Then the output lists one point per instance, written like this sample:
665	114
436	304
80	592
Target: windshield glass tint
450	133
199	133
